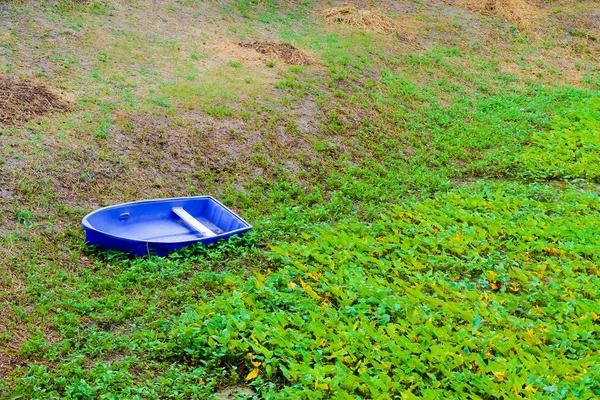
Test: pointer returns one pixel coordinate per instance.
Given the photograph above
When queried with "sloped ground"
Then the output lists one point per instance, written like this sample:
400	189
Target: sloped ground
164	107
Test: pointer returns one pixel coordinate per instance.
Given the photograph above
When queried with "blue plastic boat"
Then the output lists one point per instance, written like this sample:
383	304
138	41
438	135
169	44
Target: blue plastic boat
162	225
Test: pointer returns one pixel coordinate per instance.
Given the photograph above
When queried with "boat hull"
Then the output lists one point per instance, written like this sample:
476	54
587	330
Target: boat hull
163	225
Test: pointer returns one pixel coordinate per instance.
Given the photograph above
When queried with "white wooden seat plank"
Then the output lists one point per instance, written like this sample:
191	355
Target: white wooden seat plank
193	222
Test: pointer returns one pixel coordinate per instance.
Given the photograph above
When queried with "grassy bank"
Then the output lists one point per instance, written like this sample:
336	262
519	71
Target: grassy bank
425	203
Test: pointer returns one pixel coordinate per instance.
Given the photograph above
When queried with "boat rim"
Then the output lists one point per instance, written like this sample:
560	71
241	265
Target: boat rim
87	225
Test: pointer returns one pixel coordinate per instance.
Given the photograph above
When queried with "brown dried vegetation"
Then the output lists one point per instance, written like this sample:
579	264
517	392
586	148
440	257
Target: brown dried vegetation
283	51
368	20
22	101
520	12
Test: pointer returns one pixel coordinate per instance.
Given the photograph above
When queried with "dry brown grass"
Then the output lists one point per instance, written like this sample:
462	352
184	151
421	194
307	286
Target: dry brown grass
368	20
21	101
522	13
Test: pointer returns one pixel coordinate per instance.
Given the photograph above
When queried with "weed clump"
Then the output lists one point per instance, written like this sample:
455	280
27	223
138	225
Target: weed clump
24	101
284	51
368	20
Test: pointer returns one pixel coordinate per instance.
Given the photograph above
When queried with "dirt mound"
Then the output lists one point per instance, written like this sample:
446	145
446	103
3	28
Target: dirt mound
23	101
232	51
284	51
520	12
368	20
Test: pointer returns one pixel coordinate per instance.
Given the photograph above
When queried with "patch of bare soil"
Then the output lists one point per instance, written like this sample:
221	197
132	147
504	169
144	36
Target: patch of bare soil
234	52
284	51
235	392
22	101
368	20
156	156
581	27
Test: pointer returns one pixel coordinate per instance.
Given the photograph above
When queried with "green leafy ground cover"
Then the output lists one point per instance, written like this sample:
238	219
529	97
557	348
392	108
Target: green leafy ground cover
489	291
431	231
570	150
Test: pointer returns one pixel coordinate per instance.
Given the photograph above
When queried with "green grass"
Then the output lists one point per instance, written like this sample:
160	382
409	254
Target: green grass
409	239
